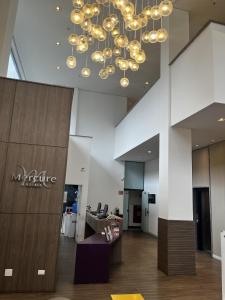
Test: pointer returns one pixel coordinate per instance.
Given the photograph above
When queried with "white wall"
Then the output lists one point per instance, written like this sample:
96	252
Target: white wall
98	114
146	118
202	83
8	9
77	173
200	163
151	186
219	62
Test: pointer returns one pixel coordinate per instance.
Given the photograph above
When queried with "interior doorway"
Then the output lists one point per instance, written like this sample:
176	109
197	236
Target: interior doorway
202	219
132	210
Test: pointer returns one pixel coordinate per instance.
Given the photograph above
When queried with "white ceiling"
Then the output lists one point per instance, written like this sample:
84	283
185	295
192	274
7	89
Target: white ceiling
39	27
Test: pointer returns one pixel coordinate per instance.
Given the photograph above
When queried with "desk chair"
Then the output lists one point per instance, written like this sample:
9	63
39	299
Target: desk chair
127	297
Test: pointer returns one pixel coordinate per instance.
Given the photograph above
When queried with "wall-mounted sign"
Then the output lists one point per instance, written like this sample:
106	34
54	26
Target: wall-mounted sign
33	178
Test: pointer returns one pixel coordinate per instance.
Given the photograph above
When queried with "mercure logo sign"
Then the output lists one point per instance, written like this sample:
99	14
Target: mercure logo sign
33	178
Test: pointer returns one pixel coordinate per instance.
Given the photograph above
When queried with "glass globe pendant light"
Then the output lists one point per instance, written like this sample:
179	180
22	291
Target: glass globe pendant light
88	11
123	64
133	65
111	69
155	13
121	41
148	11
124	82
96	9
153	36
77	16
103	73
78	3
115	32
134	45
140	57
166	8
162	35
73	39
116	51
108	24
85	72
71	62
107	52
145	37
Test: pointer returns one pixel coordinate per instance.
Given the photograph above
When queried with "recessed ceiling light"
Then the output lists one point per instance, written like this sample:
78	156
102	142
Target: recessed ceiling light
149	151
221	120
212	141
197	146
146	83
58	8
58	67
58	43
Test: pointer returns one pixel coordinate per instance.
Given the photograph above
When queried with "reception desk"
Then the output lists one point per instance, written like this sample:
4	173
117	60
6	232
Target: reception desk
94	255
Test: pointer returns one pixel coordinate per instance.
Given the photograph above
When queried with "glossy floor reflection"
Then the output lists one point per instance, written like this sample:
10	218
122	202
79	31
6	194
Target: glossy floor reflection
137	274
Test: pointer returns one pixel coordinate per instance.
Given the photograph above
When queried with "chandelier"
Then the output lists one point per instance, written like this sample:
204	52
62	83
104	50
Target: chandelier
112	33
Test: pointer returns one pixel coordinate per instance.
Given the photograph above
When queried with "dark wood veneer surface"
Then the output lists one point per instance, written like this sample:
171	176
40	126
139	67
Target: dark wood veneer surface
176	247
7	95
19	199
31	245
41	115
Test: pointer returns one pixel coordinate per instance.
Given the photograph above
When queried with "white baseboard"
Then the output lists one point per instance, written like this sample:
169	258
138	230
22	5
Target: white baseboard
216	257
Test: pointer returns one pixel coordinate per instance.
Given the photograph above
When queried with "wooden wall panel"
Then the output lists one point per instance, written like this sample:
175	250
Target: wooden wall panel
20	199
176	247
3	149
41	115
32	243
34	134
7	95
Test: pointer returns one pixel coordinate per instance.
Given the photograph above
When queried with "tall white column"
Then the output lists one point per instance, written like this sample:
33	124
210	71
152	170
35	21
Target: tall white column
176	243
8	9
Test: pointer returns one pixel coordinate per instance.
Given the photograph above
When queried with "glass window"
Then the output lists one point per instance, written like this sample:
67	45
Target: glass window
12	68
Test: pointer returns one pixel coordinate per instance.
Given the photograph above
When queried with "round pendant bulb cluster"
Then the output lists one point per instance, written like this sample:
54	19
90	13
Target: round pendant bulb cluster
114	32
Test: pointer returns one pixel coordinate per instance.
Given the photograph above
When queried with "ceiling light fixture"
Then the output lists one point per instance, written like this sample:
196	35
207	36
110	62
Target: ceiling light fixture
149	152
58	43
221	120
197	146
146	83
58	67
116	31
58	8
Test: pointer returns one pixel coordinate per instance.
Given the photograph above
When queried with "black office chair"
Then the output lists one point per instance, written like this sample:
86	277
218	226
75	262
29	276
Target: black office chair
98	211
104	213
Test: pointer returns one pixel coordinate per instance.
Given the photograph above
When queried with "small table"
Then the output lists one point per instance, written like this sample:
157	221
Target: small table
127	297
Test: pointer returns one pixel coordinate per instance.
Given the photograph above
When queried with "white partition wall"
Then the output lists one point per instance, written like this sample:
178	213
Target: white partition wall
77	173
223	261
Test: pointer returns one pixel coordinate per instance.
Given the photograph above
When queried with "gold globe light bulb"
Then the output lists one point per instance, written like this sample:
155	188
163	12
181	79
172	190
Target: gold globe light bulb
108	24
135	23
128	9
78	3
121	41
88	11
107	52
148	11
134	45
118	61
116	51
71	62
111	69
114	19
123	64
102	36
115	32
86	25
124	82
103	73
166	8
140	57
73	39
155	13
162	35
82	47
153	36
133	65
96	9
143	20
85	72
145	37
77	16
